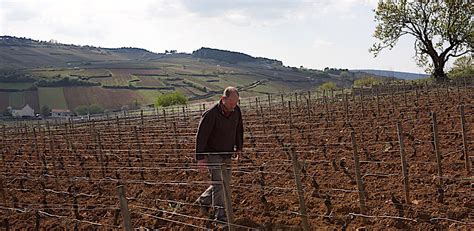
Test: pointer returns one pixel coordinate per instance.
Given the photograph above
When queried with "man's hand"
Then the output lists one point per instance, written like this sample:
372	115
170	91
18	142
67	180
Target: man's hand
237	155
202	165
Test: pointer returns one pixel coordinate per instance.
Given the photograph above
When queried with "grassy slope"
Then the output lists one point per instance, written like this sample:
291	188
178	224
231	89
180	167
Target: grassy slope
221	77
53	97
48	62
19	86
17	99
149	96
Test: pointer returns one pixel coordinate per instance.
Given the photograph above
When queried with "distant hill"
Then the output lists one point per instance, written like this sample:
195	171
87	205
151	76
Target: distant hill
66	76
231	56
395	74
28	53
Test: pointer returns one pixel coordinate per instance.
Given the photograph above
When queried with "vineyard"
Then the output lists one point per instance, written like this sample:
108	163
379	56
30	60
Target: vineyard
376	158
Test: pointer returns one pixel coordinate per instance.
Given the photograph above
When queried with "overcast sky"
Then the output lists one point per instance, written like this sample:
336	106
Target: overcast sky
309	33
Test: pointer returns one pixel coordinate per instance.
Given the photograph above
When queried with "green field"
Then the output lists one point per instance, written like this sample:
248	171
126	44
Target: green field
19	86
54	72
239	79
149	96
53	97
116	80
17	99
269	87
187	75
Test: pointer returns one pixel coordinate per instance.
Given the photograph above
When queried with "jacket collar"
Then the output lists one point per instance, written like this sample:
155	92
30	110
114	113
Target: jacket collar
222	110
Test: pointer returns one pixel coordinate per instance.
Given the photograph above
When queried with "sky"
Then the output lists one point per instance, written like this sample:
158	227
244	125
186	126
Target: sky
310	33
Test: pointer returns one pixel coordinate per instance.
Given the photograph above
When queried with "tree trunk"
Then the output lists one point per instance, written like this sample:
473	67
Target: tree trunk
438	72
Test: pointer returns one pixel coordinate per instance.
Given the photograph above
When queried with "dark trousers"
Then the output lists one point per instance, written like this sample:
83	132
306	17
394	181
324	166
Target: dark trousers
214	195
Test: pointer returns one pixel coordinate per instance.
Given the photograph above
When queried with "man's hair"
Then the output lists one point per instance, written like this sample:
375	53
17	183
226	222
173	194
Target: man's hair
228	91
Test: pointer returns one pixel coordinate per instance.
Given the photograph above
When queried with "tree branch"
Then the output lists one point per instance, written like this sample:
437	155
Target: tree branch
458	55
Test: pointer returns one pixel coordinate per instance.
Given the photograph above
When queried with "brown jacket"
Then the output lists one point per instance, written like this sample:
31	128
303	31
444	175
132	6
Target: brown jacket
218	133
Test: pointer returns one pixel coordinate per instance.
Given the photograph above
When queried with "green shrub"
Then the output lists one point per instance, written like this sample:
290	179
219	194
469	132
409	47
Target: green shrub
95	109
169	99
45	110
328	86
368	81
92	109
462	68
82	110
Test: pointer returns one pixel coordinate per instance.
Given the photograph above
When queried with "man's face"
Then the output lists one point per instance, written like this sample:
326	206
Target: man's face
230	102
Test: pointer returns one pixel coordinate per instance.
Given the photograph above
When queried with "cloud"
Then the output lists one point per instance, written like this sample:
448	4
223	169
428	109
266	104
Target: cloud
243	12
289	30
263	12
270	12
321	43
17	11
213	8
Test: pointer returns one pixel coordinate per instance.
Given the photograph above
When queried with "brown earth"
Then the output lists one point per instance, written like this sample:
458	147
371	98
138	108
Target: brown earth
4	100
156	165
108	98
32	99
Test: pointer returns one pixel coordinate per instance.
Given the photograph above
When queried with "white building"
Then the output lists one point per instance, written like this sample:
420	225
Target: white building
60	113
26	111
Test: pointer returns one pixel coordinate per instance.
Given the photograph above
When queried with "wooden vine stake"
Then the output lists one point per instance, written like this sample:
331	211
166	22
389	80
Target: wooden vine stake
4	137
99	150
227	196
35	140
360	183
458	92
140	155
436	147
327	109
378	101
362	103
346	107
404	163
299	187
256	103
4	201
263	120
119	133
296	99
417	96
353	93
164	114
405	94
269	102
464	141
184	113
127	224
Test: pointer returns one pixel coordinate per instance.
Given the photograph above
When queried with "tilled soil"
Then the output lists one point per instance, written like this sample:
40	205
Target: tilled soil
65	176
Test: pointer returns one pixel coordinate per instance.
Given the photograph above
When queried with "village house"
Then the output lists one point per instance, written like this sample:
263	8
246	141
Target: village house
26	111
61	113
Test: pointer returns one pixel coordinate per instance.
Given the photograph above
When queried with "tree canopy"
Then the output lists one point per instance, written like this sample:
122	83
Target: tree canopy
367	81
92	109
45	110
328	86
169	99
442	29
463	67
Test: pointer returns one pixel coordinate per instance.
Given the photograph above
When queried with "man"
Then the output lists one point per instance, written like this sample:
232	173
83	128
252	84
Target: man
219	136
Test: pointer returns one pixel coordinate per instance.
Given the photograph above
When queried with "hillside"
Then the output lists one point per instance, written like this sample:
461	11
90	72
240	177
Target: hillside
20	53
65	76
232	57
394	74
